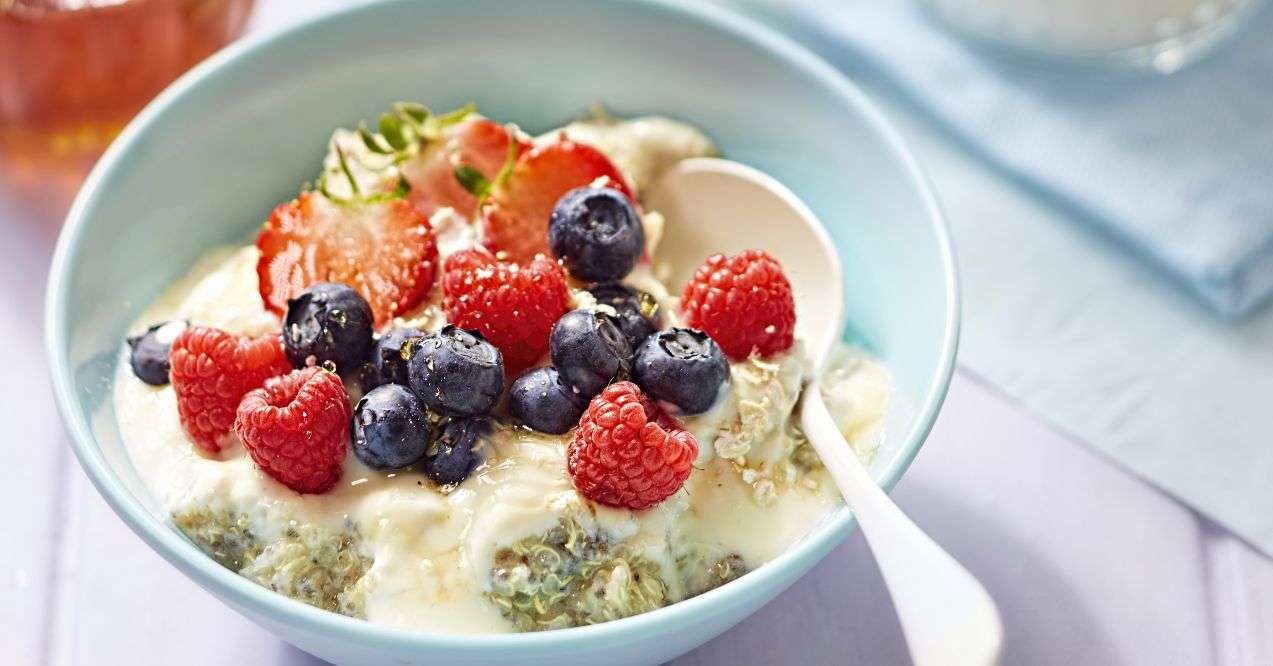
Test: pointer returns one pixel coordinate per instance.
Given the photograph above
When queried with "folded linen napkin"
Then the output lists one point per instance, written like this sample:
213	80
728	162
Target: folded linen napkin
1098	347
1178	169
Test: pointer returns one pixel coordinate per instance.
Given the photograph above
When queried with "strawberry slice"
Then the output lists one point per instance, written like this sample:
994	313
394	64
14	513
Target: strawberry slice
476	142
385	250
515	219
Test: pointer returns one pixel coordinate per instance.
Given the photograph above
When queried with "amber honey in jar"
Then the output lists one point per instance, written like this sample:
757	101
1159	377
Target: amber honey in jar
73	72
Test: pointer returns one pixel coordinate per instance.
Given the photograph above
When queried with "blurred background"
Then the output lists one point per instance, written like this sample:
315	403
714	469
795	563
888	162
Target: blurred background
1104	462
73	72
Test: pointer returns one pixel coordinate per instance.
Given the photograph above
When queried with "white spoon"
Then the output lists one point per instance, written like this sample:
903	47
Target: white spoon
715	205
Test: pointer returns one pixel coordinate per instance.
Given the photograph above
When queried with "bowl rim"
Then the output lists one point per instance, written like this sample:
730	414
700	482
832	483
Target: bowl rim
244	594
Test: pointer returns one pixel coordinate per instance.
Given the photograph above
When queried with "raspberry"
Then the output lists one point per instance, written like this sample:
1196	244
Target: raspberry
512	305
744	302
296	427
628	453
211	370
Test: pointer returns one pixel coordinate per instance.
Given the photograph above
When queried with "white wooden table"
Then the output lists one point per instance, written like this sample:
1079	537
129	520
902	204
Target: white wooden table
1089	565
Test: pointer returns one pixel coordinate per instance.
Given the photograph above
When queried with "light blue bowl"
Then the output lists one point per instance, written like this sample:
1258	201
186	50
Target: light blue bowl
206	161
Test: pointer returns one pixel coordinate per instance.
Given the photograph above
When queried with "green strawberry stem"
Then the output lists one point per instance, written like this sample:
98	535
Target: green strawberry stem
477	184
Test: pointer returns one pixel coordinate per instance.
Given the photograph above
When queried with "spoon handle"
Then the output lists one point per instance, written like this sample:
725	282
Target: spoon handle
947	617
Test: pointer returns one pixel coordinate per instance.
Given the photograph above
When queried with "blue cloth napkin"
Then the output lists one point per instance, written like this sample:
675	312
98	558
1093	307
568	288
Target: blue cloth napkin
1178	169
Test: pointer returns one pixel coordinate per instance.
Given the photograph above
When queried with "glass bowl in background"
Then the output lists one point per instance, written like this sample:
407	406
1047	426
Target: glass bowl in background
73	72
1151	35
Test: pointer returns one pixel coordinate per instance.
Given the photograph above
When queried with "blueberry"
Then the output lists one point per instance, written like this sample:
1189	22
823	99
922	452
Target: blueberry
457	372
329	322
366	378
391	355
596	233
682	366
453	453
589	351
636	312
542	401
148	353
390	429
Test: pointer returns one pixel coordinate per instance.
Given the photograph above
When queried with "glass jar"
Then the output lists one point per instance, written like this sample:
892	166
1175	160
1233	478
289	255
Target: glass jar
1156	35
73	72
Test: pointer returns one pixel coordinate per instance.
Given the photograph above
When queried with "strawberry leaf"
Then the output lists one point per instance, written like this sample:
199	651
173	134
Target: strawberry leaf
344	168
373	144
472	180
477	184
391	130
412	111
433	125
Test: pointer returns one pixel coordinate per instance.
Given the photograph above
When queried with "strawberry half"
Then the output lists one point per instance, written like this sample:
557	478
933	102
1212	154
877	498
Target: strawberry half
515	218
476	142
385	250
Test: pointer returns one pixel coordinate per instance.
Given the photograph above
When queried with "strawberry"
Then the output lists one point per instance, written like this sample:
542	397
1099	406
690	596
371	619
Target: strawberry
512	305
384	249
515	218
210	372
476	142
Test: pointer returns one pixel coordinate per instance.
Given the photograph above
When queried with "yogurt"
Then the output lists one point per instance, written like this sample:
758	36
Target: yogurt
513	547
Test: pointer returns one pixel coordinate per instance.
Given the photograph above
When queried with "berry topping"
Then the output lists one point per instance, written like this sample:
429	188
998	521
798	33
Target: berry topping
626	452
383	249
636	312
596	233
681	366
589	351
543	402
476	143
211	370
390	429
515	218
457	372
148	352
327	323
453	453
296	428
512	305
391	356
744	302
